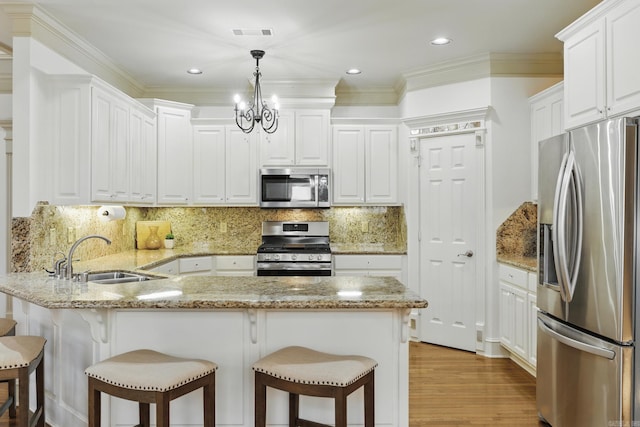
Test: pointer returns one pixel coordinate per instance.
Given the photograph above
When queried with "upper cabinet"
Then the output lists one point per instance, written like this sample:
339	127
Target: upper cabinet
95	141
547	120
365	164
302	139
600	57
225	167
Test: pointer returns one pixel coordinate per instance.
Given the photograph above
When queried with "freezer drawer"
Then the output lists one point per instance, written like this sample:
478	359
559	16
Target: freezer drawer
582	380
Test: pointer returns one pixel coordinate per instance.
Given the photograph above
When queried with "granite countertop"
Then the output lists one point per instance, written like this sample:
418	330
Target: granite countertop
523	262
215	292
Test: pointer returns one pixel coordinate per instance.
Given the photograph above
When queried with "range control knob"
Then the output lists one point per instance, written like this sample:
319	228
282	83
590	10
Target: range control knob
311	257
294	257
276	257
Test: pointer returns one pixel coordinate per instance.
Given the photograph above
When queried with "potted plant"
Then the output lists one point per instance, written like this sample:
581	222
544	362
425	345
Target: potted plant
169	241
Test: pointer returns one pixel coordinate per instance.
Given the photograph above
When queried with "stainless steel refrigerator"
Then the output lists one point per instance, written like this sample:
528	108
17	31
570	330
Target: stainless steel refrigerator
588	236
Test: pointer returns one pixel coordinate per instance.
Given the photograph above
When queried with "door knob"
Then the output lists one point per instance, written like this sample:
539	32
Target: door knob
468	254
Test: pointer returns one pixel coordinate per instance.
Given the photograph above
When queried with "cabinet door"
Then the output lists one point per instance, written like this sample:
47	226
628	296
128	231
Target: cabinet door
348	165
381	160
584	70
209	164
143	151
70	139
520	323
241	167
278	148
623	58
175	151
507	313
312	137
110	148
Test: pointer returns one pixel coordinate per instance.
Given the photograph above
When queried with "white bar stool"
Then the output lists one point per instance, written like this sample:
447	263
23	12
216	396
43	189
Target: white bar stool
147	376
302	371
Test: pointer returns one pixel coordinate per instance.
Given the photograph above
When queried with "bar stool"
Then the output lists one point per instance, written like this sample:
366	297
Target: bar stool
302	371
147	376
19	357
8	328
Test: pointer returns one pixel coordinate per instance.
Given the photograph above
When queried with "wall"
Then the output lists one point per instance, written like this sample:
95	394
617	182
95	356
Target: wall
37	238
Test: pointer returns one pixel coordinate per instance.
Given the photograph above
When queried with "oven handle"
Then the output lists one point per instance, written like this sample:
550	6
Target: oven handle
296	266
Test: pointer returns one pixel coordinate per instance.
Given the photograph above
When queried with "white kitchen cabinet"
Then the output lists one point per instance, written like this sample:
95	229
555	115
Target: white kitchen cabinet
517	305
70	159
302	139
209	164
144	154
241	168
547	120
92	135
600	56
365	162
175	151
110	160
368	265
235	265
171	267
196	266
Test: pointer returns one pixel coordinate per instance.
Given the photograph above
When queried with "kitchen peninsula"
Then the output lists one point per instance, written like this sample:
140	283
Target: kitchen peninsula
230	320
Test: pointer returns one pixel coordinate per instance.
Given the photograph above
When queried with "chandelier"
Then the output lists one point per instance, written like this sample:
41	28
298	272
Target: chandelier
258	111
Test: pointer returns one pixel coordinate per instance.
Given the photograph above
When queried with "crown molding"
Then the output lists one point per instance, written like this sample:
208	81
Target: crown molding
588	18
29	20
469	115
481	66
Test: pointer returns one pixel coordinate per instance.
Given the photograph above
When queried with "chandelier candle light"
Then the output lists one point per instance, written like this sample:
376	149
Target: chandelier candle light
258	111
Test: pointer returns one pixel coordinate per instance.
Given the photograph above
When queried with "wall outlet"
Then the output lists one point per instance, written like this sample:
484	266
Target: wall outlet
364	226
71	234
223	227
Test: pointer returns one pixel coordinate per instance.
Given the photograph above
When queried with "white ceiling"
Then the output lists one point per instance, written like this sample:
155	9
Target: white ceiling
156	41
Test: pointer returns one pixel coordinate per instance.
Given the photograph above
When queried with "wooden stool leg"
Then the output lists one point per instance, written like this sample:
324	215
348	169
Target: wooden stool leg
369	402
144	415
260	401
341	408
95	405
23	396
11	384
162	410
40	393
294	407
209	400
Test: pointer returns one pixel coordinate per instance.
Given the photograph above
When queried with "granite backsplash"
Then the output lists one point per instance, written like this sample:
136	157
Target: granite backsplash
36	239
516	238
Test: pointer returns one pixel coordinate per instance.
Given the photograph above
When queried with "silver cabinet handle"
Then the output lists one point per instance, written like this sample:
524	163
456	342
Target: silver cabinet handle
468	254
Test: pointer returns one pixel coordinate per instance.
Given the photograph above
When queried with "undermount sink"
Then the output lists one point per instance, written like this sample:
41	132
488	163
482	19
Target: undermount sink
113	277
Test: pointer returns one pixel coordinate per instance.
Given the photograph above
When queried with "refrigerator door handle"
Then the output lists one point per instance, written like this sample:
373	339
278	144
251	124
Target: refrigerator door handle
557	229
579	221
587	348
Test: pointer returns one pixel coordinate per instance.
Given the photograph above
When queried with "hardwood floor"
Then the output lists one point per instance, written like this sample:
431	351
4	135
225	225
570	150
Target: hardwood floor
455	388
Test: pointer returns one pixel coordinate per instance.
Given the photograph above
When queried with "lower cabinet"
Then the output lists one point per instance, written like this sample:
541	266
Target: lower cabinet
222	265
368	265
518	314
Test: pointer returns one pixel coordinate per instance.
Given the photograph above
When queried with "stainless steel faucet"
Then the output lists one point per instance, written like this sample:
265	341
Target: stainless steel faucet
73	248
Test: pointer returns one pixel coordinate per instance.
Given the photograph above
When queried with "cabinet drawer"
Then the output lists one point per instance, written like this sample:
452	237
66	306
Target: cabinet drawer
195	264
368	262
234	262
513	275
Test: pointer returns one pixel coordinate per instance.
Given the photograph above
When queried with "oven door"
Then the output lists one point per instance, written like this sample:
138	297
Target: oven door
294	269
288	188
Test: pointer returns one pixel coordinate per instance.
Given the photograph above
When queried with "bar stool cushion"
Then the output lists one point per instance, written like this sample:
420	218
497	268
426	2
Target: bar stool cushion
20	351
306	366
6	325
149	370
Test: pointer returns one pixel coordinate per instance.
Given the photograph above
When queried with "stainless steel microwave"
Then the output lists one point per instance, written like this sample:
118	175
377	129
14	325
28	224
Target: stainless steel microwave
295	187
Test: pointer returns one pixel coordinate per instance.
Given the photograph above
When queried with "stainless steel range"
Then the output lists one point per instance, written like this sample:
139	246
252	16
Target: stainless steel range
294	248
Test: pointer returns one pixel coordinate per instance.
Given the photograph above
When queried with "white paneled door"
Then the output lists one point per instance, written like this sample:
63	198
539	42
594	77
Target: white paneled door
448	240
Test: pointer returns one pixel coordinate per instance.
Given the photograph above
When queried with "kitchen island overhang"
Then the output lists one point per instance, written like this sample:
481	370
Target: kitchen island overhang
232	321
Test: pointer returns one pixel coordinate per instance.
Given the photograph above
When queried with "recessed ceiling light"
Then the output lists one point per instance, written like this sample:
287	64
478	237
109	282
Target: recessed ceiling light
194	71
440	41
353	71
